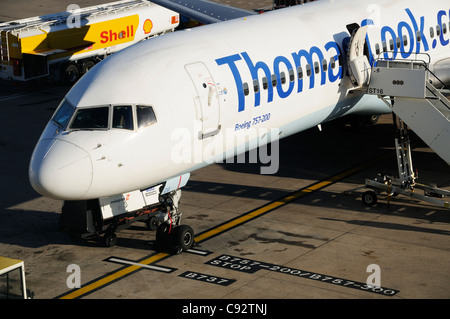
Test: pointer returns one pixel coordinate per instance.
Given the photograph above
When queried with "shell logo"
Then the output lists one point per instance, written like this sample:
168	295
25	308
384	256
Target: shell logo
148	26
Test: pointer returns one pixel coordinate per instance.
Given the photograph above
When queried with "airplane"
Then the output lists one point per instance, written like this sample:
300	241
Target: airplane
155	112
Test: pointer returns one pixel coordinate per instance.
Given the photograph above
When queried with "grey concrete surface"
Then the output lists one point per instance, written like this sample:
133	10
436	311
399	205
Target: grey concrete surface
326	233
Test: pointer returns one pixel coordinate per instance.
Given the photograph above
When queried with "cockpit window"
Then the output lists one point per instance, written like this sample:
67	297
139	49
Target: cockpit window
123	117
91	118
145	116
63	114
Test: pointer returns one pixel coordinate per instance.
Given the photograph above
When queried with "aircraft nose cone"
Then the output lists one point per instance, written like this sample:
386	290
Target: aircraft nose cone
60	170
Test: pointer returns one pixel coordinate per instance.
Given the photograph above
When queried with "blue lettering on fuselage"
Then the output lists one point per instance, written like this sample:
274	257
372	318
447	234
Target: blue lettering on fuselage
278	63
440	15
414	30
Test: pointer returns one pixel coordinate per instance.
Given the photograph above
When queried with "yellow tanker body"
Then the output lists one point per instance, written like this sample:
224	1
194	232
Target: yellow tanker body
65	45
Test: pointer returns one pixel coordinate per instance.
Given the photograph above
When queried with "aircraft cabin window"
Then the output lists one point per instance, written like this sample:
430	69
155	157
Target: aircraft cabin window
91	118
399	43
384	46
274	80
308	70
431	32
316	67
246	89
377	48
405	40
63	114
291	75
145	116
300	72
255	85
391	44
283	78
123	117
418	36
265	83
444	28
332	63
324	64
438	30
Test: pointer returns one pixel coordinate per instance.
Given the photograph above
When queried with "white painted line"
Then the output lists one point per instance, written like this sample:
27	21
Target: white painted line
198	252
127	262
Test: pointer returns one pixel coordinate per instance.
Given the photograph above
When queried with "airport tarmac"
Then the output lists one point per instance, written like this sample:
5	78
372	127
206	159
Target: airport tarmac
296	234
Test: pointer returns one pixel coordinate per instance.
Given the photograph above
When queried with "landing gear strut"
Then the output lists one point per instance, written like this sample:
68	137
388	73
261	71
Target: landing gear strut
171	235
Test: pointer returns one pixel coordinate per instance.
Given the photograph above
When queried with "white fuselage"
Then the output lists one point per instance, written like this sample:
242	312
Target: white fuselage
208	106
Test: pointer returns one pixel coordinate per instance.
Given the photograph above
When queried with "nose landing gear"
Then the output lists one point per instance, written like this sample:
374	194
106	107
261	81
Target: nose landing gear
171	235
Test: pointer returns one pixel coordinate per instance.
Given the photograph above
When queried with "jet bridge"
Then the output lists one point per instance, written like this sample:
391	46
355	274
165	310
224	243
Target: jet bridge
417	100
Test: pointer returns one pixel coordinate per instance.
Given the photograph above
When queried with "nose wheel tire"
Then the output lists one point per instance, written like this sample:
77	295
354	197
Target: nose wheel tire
184	237
180	238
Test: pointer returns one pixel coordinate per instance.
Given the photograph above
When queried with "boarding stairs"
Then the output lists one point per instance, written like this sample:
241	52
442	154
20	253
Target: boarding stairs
416	97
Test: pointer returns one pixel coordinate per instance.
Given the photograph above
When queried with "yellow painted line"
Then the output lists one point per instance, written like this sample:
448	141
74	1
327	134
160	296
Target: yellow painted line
112	277
221	228
278	203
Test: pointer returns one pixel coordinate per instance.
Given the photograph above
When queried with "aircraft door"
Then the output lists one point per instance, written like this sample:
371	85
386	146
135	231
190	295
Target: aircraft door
207	99
358	62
